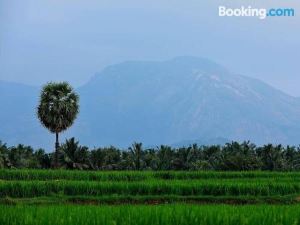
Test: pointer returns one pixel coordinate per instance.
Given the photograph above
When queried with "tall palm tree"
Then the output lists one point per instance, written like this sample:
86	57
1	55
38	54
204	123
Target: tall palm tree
57	109
75	156
136	151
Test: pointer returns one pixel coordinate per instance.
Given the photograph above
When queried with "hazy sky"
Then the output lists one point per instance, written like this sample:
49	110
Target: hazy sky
73	39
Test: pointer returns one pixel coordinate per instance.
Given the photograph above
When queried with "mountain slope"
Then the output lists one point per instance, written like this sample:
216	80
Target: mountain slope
168	102
183	99
17	115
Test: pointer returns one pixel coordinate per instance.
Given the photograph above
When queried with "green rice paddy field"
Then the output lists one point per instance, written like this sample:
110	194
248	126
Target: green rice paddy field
169	197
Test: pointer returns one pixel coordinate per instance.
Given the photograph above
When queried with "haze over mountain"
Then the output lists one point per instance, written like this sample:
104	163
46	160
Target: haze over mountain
167	102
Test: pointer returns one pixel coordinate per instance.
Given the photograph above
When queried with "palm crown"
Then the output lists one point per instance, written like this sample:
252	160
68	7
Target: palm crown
58	108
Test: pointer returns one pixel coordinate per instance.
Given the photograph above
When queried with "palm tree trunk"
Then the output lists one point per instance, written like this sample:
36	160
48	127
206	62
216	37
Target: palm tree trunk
56	151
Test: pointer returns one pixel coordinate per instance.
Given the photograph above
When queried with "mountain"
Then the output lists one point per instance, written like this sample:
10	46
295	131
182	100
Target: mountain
186	98
200	142
183	99
18	123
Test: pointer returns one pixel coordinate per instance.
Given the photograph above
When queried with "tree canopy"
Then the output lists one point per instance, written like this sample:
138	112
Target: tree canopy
233	156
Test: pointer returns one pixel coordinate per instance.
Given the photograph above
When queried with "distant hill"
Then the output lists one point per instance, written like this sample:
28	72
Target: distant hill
18	123
185	98
212	141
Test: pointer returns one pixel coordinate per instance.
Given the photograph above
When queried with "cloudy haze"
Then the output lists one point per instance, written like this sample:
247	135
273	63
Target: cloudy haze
72	40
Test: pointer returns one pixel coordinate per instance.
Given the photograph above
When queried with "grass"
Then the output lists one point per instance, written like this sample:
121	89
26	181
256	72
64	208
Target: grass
162	186
27	174
149	187
165	197
172	214
149	200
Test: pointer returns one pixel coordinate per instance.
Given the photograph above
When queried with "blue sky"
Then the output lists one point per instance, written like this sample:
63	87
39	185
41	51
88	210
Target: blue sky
73	39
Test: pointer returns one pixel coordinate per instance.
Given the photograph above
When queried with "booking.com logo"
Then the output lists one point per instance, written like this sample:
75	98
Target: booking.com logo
261	13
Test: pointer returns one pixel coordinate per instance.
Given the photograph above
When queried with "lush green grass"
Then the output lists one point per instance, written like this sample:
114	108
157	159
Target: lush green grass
149	199
157	186
26	174
154	215
149	187
67	197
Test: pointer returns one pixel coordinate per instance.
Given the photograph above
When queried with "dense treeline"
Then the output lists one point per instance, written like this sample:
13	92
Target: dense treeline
232	156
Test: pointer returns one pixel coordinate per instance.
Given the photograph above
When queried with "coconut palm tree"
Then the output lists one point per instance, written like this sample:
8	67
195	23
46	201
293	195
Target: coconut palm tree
136	152
75	156
57	109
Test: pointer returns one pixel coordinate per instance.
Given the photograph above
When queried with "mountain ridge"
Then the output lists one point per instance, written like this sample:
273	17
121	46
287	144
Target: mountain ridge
167	102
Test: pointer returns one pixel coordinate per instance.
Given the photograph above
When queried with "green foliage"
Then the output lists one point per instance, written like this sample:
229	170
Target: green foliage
173	214
106	158
58	106
35	195
34	183
74	156
213	187
43	175
57	110
237	156
4	158
135	155
230	157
